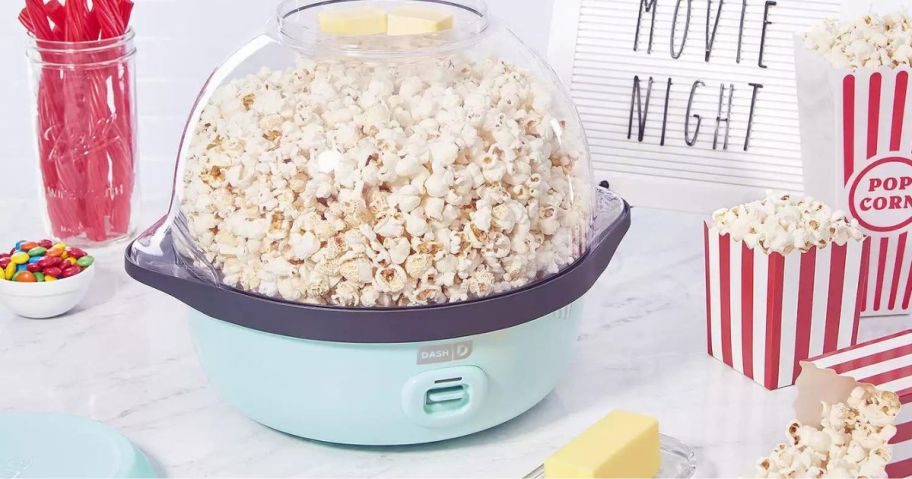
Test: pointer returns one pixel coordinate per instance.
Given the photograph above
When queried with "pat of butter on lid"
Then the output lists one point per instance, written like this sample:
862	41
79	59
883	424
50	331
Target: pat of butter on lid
416	20
622	445
353	21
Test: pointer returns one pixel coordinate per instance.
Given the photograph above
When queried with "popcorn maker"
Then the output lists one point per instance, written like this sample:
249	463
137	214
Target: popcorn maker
406	213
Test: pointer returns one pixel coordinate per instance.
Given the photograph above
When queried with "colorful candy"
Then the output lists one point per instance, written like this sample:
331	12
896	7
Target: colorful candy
25	277
9	271
53	271
43	262
70	272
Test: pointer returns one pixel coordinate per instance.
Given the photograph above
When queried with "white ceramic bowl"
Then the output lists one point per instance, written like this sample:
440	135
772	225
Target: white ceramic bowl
46	300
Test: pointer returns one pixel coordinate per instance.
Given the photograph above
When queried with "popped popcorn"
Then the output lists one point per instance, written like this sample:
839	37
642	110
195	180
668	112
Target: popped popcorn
783	223
852	441
370	185
868	42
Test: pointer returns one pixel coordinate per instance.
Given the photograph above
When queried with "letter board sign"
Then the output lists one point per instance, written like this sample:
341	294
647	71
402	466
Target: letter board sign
689	104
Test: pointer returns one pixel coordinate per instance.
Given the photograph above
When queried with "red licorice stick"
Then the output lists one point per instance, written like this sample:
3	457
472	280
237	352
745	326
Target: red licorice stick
25	20
92	26
49	127
76	30
38	20
110	18
123	194
57	14
126	10
114	17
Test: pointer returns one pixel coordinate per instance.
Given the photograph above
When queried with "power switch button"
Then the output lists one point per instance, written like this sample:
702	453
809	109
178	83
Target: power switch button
444	397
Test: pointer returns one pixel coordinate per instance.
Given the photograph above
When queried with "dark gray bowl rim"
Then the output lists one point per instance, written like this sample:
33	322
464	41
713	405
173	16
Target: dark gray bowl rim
392	325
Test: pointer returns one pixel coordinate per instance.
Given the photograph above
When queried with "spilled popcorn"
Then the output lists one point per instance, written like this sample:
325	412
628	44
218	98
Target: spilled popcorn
869	42
853	440
784	223
363	184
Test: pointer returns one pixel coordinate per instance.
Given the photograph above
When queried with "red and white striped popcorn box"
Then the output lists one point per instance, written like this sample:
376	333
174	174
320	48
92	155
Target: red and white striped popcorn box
884	363
767	312
856	139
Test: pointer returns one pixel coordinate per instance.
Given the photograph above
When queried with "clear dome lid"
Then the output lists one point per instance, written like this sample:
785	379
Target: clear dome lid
369	154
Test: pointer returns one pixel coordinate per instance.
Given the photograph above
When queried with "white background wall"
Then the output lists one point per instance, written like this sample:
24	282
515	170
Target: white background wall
179	42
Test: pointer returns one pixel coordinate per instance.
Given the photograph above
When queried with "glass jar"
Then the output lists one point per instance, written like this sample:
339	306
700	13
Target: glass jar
85	123
380	170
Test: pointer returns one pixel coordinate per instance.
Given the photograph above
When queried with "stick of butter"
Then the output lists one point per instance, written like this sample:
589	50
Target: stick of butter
622	445
417	20
353	21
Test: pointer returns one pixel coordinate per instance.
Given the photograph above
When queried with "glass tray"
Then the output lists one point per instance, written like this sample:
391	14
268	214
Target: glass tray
678	461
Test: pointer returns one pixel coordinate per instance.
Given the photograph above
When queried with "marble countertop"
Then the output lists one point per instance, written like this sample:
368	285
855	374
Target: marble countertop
125	357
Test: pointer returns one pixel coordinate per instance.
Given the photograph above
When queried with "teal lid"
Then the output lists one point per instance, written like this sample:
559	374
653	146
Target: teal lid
59	445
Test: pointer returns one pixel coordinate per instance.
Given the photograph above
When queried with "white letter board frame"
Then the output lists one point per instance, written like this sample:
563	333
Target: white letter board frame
592	50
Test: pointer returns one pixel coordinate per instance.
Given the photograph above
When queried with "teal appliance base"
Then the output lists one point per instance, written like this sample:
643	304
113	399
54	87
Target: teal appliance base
386	394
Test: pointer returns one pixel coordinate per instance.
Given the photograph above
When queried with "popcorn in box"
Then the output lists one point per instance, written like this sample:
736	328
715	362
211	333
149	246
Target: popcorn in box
884	364
784	277
851	440
856	134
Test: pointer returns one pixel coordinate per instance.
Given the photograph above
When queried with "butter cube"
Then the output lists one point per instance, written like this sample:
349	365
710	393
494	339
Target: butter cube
622	445
417	20
353	21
